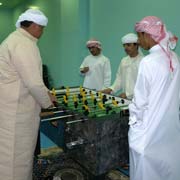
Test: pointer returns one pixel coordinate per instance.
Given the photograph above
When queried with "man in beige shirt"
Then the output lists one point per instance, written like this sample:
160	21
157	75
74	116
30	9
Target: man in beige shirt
22	94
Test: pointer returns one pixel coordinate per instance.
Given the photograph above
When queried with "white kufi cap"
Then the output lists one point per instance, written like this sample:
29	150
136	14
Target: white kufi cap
33	15
129	38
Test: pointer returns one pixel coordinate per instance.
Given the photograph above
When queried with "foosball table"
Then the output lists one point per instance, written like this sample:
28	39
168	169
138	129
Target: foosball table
95	128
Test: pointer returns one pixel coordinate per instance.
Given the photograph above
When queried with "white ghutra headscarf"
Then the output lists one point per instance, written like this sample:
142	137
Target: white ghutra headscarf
33	15
93	43
129	38
157	30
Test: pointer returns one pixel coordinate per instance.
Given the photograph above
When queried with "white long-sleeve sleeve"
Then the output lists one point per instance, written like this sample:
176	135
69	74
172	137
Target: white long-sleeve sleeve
99	75
117	85
107	74
27	61
140	101
126	75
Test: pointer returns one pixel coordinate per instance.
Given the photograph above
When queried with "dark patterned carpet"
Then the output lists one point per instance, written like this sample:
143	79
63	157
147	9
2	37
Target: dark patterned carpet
55	165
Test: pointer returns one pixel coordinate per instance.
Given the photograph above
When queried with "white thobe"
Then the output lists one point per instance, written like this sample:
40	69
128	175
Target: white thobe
22	93
99	75
126	75
154	134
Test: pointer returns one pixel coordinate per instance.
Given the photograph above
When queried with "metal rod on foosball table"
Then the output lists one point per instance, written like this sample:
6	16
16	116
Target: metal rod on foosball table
92	113
57	118
71	92
64	117
53	110
96	105
80	103
99	95
80	106
83	119
78	120
87	95
104	111
89	98
93	108
51	113
70	98
62	91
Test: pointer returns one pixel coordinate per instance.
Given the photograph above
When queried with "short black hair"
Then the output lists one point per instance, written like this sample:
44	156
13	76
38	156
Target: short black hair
26	23
131	43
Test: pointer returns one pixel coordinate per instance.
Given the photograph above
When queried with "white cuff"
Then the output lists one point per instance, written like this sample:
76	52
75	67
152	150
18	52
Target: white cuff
132	120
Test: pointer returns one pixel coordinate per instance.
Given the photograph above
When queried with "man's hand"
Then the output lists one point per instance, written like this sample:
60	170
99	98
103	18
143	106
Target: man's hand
84	70
107	91
123	95
53	99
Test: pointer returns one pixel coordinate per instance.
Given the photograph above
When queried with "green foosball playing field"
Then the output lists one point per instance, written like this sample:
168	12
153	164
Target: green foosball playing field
90	103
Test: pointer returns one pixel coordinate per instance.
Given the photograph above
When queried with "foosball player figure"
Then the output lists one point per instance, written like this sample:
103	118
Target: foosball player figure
97	94
76	104
101	105
65	101
95	102
80	97
114	102
100	96
92	96
84	91
84	100
90	92
108	108
122	101
104	99
86	109
67	91
75	101
53	92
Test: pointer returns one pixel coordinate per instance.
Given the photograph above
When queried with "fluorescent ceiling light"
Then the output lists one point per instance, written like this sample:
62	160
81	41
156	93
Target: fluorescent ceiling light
33	7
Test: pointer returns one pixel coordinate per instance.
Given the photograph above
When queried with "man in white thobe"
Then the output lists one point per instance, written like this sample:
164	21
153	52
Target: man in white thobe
22	94
128	68
96	68
154	134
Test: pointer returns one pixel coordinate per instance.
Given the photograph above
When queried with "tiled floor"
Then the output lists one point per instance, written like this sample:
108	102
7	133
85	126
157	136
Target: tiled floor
117	175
